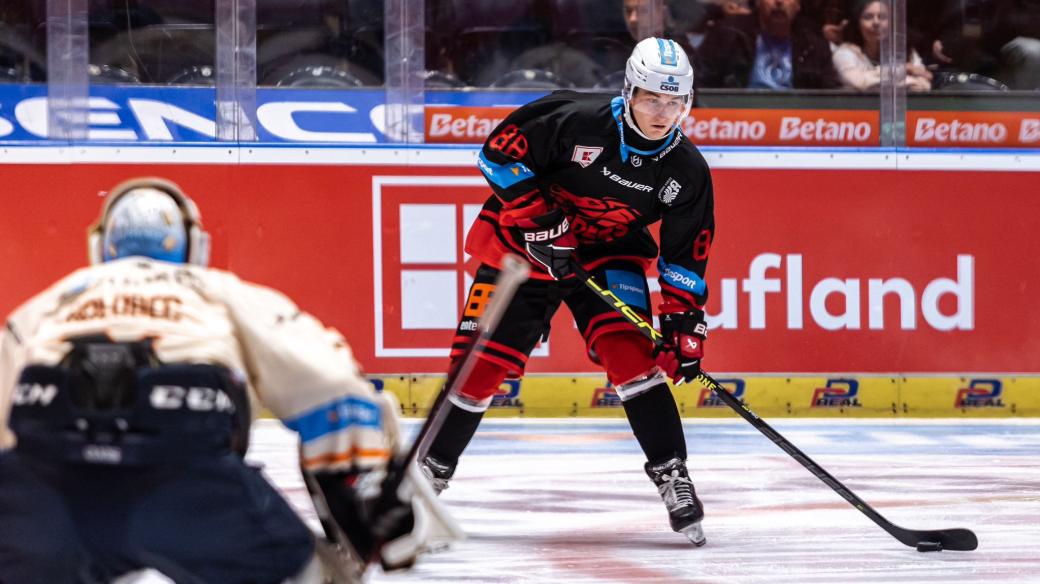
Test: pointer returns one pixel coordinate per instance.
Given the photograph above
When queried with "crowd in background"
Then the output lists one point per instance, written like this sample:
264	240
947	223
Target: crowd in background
772	45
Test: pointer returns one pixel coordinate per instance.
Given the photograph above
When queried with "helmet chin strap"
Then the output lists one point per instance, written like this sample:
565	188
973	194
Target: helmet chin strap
631	121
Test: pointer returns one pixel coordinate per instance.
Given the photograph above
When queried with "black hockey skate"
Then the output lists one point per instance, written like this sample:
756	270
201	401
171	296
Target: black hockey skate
684	508
438	472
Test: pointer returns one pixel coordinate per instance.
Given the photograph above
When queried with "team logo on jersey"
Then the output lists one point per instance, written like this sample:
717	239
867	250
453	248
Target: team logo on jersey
586	155
637	161
669	191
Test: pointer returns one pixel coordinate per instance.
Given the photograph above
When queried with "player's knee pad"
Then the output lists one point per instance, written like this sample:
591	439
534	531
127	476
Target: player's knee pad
481	385
653	380
626	356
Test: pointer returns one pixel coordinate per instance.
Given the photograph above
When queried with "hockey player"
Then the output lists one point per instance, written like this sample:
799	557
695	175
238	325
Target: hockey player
131	385
579	177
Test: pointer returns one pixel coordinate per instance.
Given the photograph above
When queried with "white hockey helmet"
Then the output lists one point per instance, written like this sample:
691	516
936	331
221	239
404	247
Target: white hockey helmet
149	217
660	66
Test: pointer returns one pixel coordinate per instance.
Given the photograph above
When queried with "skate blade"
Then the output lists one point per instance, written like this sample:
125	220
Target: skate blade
695	534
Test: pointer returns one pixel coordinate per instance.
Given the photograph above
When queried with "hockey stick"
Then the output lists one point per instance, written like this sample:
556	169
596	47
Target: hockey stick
514	272
335	552
924	540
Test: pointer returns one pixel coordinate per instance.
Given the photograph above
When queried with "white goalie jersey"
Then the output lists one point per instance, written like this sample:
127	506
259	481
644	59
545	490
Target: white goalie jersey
297	369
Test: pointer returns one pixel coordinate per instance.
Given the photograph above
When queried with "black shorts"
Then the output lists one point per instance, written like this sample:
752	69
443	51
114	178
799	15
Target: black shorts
527	318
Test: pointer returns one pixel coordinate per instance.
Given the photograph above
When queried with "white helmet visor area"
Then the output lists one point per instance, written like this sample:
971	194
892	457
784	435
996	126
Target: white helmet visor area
660	104
655	105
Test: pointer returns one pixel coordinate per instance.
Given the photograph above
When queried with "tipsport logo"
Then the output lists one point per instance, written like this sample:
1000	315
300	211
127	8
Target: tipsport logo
708	399
980	393
508	395
605	397
839	393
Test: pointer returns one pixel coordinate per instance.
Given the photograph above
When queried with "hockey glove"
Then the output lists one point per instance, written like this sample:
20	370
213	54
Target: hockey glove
684	333
549	241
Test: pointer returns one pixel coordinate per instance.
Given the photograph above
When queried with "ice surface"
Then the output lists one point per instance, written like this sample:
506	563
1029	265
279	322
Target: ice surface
567	501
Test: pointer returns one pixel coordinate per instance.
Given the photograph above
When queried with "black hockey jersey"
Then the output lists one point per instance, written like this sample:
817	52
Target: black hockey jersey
573	151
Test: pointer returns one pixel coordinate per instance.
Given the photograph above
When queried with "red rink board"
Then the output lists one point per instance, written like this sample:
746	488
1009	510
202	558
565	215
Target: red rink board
312	232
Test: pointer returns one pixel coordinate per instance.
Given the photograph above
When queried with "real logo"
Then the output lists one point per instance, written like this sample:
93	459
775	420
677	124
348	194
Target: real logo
508	395
605	397
980	393
839	393
669	87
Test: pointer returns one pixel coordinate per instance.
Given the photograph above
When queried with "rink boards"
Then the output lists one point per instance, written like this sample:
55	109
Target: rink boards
797	396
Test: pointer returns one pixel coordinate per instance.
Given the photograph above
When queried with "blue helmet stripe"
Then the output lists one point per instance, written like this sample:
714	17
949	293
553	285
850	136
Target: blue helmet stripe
669	55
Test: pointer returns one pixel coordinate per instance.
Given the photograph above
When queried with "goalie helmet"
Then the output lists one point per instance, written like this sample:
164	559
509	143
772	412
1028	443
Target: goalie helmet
149	217
660	66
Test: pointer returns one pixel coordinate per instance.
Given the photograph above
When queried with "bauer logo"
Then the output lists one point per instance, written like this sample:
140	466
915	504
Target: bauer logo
980	393
708	399
839	393
508	395
605	397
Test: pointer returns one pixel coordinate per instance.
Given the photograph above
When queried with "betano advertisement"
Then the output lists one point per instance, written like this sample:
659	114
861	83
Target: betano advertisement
837	292
796	127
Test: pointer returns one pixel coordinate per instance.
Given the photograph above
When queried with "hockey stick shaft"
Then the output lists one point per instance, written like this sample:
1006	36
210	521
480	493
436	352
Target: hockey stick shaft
514	272
342	557
951	539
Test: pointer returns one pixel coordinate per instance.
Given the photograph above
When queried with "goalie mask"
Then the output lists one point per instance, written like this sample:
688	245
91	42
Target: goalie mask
662	67
149	217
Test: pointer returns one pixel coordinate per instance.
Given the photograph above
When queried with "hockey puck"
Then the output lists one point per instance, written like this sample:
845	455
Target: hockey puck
929	546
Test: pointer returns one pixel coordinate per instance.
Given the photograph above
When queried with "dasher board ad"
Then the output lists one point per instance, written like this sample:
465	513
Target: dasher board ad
811	271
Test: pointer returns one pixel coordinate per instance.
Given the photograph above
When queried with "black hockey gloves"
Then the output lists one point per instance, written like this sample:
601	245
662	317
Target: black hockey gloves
367	514
549	241
684	332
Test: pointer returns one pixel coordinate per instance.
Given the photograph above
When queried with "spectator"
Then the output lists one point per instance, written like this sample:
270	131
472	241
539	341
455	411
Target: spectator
996	38
769	49
830	17
646	18
1019	31
858	61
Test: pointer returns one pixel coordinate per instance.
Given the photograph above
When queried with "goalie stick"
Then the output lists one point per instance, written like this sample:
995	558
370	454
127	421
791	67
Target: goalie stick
514	271
335	552
924	540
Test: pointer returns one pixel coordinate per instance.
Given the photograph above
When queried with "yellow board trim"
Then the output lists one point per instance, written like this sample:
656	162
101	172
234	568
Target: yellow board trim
815	396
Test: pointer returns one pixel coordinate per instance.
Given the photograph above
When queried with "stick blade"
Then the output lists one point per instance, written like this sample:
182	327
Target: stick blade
959	539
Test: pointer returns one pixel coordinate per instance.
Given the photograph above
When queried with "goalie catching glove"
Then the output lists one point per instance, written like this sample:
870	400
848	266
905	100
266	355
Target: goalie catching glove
548	240
684	332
